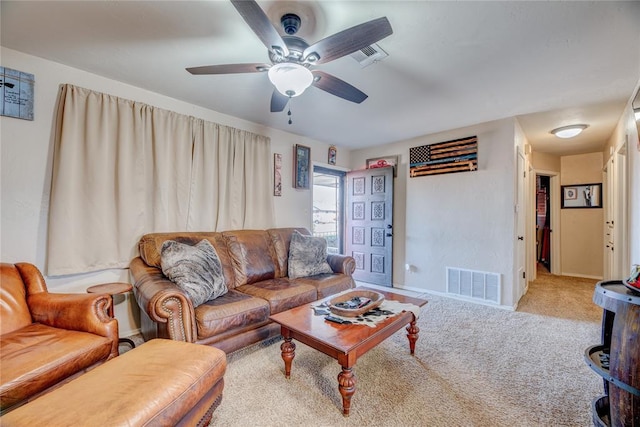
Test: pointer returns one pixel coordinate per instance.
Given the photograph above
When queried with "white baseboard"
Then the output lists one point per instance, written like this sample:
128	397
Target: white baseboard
473	300
422	291
583	276
397	289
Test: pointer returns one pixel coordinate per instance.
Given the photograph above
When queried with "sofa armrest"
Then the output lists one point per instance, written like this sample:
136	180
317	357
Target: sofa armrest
163	301
344	264
76	312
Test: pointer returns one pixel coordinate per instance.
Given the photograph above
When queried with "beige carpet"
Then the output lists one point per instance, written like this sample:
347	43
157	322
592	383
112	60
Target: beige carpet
474	366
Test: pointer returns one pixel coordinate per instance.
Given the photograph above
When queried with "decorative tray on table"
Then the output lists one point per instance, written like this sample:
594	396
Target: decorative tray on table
354	303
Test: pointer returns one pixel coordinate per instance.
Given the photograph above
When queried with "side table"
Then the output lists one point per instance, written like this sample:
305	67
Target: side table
115	288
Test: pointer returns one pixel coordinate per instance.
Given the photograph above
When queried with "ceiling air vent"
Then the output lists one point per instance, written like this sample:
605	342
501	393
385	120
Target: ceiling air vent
368	55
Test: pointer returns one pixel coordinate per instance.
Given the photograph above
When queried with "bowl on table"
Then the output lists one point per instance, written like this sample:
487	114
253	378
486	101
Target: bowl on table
355	303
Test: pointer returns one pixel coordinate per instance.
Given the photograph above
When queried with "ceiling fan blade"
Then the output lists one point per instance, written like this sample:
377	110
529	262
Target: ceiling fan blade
348	41
261	25
337	87
278	101
229	69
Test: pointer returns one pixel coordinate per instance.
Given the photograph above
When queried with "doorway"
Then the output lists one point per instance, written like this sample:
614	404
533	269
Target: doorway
543	221
328	207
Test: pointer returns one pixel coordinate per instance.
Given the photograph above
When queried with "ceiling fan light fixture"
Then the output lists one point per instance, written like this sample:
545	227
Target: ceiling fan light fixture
569	131
290	79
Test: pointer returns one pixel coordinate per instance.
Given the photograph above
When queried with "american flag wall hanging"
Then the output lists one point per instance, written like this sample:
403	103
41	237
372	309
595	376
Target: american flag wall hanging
459	155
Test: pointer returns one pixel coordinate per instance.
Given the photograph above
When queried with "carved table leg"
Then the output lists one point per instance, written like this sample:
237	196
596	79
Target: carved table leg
346	386
412	334
288	353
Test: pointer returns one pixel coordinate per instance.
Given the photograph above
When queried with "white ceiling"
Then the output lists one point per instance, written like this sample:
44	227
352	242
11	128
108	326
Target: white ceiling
450	64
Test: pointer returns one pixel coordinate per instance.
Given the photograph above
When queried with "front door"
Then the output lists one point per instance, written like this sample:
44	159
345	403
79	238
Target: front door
369	226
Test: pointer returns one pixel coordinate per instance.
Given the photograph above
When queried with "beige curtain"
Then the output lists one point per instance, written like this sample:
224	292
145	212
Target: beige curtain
123	168
238	192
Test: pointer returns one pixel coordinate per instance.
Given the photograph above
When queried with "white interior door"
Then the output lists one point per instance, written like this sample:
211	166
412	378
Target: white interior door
609	235
620	219
520	248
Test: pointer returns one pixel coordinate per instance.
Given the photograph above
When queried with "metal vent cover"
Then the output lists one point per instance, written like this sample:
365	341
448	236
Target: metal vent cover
477	285
368	55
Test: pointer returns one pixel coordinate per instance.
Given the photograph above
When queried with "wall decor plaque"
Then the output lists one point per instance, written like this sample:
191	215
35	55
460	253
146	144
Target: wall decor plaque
16	94
277	174
333	153
458	155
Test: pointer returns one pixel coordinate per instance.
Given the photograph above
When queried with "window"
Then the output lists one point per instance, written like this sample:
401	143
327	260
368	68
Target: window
328	202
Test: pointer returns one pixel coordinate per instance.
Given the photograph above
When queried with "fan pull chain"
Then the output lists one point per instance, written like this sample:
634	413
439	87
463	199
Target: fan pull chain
289	112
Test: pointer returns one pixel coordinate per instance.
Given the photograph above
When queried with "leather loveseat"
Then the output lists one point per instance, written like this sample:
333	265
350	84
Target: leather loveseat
255	267
47	338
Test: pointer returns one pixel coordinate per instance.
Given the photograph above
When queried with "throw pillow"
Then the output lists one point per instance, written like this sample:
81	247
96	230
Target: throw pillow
307	256
195	269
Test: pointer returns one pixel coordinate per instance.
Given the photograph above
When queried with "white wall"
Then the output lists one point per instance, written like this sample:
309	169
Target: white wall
463	220
545	162
627	130
581	235
26	159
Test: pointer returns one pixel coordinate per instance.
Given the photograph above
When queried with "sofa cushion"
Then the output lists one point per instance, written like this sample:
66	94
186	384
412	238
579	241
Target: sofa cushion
36	357
307	256
282	294
14	311
232	311
195	269
252	255
150	248
327	284
281	240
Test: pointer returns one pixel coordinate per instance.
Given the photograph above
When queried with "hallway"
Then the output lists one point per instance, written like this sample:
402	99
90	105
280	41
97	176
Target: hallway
561	296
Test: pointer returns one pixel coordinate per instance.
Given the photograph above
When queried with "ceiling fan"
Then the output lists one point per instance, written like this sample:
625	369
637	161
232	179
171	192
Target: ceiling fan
292	57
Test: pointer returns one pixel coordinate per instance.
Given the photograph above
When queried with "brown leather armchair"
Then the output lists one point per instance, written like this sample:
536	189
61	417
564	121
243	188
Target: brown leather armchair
47	338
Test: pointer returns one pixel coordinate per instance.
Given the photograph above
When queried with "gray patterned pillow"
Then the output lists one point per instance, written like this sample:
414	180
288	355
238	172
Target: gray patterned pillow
195	269
307	256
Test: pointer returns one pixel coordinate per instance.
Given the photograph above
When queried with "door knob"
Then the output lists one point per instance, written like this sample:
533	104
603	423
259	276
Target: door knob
389	235
389	226
520	238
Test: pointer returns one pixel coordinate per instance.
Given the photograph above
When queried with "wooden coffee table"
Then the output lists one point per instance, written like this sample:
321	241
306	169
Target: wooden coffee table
345	343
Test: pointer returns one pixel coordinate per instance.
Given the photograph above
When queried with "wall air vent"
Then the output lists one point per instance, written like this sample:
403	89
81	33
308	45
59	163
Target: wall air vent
475	285
368	55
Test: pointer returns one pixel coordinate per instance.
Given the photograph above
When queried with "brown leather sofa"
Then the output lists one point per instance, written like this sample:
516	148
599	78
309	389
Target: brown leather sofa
255	267
47	338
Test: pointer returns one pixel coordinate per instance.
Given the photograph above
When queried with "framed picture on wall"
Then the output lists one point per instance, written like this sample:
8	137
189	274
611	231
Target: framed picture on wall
301	166
582	196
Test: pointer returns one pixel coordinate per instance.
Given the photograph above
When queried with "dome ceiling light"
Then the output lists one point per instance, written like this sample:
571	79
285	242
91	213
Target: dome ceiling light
569	131
290	79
